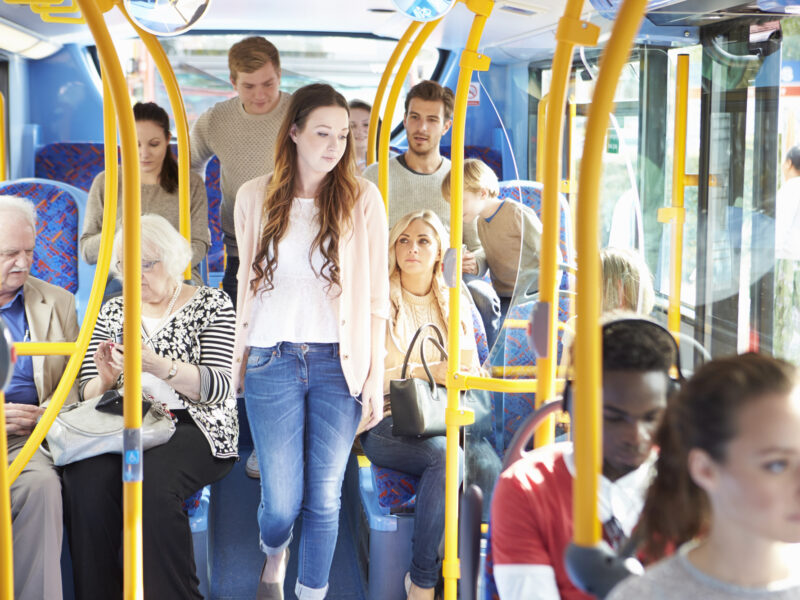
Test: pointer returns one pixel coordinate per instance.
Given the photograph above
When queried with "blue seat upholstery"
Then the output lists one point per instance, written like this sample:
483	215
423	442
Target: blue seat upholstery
59	209
515	351
490	156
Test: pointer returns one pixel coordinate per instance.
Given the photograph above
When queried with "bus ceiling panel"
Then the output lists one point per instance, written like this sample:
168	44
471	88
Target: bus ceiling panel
22	16
696	13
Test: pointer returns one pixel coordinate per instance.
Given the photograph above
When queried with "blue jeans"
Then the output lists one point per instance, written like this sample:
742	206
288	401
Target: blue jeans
424	457
303	420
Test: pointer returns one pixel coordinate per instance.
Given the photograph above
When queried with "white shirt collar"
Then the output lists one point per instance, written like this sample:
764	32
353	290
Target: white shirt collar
623	498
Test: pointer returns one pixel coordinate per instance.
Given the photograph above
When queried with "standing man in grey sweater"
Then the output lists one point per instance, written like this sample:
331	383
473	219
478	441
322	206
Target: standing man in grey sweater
242	132
415	177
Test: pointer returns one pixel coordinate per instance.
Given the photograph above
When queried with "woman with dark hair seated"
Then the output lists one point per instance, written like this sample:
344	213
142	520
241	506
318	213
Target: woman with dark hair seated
187	350
158	171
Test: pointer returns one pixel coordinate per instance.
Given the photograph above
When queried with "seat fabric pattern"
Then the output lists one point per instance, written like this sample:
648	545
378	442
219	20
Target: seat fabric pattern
55	256
490	156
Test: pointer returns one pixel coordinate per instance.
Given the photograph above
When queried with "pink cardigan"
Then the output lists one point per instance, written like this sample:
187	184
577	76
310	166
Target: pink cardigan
363	269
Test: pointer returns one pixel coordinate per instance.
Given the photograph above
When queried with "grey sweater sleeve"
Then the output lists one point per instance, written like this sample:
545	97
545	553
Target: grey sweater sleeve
93	220
198	207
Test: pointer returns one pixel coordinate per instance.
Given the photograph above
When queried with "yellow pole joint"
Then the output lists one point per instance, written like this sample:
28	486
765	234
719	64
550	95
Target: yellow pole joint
472	60
672	214
576	32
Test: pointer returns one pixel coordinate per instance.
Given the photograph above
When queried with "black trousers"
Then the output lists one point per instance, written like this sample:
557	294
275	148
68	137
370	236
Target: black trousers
93	513
230	281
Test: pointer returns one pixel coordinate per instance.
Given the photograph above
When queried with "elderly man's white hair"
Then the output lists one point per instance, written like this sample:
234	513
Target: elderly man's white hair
158	236
22	206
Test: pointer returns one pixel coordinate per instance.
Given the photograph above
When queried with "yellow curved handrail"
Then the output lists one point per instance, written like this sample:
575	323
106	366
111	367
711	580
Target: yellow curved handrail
181	127
6	537
132	294
391	102
78	348
571	32
455	417
588	377
387	73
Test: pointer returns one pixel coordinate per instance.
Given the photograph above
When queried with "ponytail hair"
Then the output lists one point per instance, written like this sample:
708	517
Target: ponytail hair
705	416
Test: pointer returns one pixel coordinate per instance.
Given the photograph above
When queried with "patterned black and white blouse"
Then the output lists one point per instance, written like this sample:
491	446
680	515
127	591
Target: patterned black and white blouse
200	333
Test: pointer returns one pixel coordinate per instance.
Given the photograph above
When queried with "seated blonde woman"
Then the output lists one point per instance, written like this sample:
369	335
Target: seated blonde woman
627	281
418	295
187	351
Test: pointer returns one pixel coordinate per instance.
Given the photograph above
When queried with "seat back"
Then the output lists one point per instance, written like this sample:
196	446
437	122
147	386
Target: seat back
489	155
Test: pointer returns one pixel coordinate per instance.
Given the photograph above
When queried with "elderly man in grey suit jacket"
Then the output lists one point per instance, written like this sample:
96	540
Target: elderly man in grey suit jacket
40	312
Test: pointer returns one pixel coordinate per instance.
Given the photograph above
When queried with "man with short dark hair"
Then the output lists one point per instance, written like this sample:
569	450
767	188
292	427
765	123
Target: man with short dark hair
242	133
415	177
532	503
36	311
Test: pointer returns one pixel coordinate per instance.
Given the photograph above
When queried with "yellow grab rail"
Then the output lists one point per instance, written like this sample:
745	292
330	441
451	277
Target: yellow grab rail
676	214
6	537
181	127
455	417
391	102
3	155
588	376
540	121
78	348
374	115
132	296
571	31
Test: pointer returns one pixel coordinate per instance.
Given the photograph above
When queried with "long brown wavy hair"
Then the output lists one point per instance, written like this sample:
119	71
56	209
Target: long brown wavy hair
704	415
336	197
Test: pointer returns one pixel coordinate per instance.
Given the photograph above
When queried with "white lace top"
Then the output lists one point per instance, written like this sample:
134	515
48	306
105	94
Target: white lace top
302	306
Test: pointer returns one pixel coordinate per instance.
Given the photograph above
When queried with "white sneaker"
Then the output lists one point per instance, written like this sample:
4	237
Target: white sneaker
251	466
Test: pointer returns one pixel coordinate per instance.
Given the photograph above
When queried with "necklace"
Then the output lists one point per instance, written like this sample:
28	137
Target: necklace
171	305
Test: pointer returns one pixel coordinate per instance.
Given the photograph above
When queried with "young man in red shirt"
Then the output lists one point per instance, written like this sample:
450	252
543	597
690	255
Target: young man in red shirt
532	503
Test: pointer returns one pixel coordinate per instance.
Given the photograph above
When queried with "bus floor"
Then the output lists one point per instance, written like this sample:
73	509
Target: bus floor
236	557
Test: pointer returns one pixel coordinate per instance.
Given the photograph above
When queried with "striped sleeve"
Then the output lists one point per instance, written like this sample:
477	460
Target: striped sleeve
216	349
103	330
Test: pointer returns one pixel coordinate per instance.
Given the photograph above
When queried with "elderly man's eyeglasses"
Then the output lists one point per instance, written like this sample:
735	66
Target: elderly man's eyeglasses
147	265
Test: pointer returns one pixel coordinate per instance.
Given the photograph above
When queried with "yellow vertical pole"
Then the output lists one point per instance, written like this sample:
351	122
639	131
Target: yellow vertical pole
588	374
132	299
540	121
470	61
676	214
571	31
391	102
387	73
3	139
181	127
6	538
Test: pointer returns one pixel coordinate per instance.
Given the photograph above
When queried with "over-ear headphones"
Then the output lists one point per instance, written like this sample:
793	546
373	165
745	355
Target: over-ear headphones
648	327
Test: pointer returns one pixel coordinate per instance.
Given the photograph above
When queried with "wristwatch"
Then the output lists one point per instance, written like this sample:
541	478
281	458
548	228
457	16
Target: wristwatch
173	370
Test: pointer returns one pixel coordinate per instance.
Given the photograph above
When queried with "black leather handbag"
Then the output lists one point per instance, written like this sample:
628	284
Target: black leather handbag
418	406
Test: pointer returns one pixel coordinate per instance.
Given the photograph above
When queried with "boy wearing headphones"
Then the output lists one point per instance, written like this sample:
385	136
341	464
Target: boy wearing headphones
532	502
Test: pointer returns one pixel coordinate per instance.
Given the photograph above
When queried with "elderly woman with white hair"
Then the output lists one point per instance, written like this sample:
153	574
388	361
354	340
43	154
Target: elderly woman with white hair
187	348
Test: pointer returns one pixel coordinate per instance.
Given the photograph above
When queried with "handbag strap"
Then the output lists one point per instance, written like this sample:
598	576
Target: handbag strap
442	352
414	339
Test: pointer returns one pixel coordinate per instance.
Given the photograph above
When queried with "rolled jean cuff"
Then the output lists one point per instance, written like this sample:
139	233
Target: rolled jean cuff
270	551
306	593
424	578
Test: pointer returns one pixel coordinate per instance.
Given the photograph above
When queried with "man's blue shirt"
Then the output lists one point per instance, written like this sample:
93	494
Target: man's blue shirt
21	389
